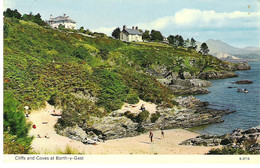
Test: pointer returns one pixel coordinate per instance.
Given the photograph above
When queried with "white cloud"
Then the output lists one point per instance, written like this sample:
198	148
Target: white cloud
8	4
206	18
195	18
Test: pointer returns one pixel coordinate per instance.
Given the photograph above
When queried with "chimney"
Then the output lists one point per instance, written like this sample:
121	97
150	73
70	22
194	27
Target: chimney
64	15
124	27
133	27
136	28
51	16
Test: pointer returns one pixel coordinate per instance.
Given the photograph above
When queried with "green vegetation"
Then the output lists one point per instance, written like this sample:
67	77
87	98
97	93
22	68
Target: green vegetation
116	33
85	76
204	49
155	116
142	116
16	129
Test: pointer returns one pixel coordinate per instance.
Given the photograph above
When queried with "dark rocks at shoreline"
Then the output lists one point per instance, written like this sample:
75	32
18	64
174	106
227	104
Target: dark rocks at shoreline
217	75
186	86
193	112
242	66
184	90
246	139
243	82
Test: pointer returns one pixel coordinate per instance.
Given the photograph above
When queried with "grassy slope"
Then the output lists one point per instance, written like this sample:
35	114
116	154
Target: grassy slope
43	64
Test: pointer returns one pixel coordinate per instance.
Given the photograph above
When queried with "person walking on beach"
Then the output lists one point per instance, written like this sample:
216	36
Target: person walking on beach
162	132
151	136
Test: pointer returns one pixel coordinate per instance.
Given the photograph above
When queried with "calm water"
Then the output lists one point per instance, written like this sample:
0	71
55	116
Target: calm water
247	105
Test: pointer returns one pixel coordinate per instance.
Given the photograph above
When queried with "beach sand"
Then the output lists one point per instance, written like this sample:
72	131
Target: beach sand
131	145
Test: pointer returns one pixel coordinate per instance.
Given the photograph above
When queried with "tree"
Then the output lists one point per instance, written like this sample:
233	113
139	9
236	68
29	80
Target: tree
12	13
180	41
14	120
193	43
146	35
61	26
204	49
116	33
81	29
37	19
156	35
187	43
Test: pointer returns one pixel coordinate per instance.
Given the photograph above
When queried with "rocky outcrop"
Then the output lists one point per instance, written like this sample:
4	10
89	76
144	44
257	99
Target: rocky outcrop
248	139
112	127
217	75
242	66
189	86
184	90
243	82
78	134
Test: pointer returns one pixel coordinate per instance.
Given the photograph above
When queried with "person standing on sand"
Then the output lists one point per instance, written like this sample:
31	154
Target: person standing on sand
151	136
162	133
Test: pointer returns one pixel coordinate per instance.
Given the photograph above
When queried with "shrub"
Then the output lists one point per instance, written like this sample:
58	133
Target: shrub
81	52
130	115
14	145
15	127
155	116
113	90
142	116
132	98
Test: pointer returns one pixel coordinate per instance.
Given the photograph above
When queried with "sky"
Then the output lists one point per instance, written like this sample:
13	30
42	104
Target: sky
236	22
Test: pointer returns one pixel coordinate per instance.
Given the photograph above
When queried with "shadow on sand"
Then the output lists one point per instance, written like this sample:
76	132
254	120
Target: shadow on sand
145	142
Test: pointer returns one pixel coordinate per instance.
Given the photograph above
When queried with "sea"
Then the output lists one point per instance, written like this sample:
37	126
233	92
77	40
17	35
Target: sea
247	105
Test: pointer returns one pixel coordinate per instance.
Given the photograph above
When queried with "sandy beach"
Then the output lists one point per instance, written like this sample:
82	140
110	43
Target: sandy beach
141	144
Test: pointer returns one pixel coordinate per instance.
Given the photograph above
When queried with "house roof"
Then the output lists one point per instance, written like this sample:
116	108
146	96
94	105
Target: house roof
133	31
61	18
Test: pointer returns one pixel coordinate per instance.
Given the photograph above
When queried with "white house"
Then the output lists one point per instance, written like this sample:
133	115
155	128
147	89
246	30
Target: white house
62	20
131	35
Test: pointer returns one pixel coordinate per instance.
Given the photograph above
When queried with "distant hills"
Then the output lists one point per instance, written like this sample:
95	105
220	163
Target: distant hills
223	50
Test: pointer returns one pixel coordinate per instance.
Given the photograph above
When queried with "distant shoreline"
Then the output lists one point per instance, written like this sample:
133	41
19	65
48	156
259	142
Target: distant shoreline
241	60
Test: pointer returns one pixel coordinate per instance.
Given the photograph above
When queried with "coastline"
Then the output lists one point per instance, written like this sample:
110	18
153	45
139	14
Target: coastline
130	145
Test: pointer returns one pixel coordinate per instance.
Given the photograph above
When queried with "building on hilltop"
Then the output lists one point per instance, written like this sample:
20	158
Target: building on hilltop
131	35
62	20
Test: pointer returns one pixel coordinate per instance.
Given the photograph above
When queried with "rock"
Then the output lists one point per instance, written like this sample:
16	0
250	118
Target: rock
242	66
75	133
184	90
165	82
217	75
114	127
247	139
244	82
187	75
192	82
190	101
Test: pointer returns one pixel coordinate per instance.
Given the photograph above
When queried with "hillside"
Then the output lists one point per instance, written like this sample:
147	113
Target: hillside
90	78
219	48
42	64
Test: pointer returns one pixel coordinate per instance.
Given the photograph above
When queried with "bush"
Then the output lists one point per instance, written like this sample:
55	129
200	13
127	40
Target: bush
14	145
15	127
142	116
155	116
132	98
81	52
113	91
130	115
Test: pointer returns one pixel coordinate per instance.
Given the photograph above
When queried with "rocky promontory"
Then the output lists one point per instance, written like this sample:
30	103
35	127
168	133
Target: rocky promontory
118	124
244	140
